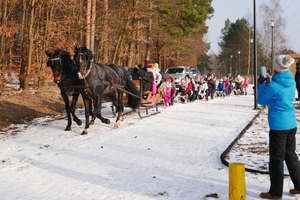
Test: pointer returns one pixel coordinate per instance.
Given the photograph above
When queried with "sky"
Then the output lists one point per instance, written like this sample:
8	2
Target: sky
236	9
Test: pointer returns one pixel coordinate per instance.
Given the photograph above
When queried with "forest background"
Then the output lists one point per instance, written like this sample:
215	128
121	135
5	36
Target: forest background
125	32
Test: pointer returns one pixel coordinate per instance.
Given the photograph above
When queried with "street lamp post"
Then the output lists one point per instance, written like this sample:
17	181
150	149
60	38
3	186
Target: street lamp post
255	57
239	52
231	64
251	62
272	53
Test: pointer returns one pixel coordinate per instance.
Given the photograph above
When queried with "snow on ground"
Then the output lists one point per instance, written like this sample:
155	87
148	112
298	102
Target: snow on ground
172	155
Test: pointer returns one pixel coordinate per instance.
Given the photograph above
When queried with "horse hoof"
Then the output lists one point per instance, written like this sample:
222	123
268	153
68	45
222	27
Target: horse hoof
122	118
84	133
92	122
107	121
116	126
68	128
79	123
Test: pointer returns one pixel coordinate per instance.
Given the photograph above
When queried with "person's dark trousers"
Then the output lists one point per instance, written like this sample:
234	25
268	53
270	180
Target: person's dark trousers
226	92
146	86
207	93
282	148
298	90
172	100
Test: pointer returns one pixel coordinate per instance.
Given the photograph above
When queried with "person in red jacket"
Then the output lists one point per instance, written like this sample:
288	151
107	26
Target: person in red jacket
226	86
190	88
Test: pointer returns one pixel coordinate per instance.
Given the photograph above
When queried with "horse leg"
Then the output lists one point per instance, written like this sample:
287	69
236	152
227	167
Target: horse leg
120	107
86	100
98	109
72	109
93	114
67	107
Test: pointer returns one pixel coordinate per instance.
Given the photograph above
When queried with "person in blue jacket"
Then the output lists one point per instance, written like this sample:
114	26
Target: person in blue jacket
220	88
279	95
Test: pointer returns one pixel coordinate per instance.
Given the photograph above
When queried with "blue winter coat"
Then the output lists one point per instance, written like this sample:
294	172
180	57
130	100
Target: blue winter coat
221	86
279	96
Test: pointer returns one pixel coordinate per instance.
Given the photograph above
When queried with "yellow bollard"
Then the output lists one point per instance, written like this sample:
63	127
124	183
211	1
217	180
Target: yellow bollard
237	184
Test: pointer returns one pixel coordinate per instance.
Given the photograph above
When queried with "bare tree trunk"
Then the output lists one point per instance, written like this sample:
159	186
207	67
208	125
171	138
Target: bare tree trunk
132	47
138	46
23	46
249	53
81	34
88	24
31	36
93	26
3	25
105	34
148	45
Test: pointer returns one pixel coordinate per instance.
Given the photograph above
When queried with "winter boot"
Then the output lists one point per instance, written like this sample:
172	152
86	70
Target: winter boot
294	191
267	195
206	98
212	96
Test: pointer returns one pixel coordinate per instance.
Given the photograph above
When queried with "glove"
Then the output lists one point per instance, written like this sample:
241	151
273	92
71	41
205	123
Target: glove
268	80
261	80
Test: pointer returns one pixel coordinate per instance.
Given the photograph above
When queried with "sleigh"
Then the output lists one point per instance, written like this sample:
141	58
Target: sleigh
147	102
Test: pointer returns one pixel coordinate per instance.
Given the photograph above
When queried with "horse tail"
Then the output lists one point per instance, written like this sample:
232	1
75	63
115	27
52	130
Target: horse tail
133	101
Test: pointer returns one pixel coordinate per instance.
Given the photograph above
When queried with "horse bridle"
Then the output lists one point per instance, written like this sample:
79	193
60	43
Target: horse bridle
85	69
61	68
59	60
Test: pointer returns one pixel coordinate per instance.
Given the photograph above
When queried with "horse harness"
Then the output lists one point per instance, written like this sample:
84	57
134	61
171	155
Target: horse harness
96	81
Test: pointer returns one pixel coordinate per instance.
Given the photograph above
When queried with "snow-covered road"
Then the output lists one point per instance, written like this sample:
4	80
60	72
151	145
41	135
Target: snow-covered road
172	155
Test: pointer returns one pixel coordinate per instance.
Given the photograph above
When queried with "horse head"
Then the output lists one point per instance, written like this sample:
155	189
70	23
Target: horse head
82	58
63	67
54	61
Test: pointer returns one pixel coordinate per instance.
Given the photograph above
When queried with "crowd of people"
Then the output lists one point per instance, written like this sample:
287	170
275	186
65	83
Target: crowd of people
153	78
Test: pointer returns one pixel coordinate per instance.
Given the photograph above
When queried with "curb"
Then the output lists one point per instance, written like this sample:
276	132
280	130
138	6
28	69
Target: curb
225	153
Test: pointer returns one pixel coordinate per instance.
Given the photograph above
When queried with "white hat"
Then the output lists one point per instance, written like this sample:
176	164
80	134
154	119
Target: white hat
282	63
221	80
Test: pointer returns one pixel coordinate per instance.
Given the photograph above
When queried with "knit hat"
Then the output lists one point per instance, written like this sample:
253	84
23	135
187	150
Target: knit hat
140	66
148	64
168	80
209	74
282	63
201	80
221	80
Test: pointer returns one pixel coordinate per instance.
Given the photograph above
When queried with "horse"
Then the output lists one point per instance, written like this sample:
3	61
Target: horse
105	80
65	76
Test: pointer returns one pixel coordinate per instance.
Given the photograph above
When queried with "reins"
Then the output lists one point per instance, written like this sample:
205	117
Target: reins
61	68
118	86
104	82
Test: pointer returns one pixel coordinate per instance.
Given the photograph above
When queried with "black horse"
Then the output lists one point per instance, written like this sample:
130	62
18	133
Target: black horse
66	77
105	80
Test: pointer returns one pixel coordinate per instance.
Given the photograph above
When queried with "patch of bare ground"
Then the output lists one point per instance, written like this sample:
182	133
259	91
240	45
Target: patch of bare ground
26	105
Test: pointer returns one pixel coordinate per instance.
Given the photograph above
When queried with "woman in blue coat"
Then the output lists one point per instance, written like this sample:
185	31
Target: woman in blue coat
279	96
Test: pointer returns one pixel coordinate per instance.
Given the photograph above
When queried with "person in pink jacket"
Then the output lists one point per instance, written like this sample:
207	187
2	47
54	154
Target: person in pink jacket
245	85
169	92
157	79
